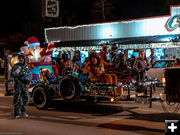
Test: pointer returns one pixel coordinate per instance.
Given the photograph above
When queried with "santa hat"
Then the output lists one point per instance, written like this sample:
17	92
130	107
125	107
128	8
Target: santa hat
32	41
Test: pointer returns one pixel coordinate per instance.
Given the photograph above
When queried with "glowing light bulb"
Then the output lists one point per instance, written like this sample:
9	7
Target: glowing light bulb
36	54
112	99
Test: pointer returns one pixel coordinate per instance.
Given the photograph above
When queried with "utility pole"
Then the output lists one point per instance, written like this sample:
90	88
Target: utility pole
103	10
60	18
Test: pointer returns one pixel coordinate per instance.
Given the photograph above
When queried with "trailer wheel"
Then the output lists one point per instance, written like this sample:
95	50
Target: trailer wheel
70	89
40	98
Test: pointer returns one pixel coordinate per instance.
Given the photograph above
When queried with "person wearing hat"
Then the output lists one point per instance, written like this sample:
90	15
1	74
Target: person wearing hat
22	76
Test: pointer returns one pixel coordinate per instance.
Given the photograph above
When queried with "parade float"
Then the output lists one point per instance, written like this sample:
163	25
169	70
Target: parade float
69	86
39	60
47	85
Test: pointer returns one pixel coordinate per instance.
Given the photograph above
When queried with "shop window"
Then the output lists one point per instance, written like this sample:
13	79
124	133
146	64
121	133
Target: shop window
158	54
84	54
132	52
148	53
55	54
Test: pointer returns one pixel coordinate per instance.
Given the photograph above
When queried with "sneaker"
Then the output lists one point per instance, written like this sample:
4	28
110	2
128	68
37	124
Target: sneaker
25	115
17	116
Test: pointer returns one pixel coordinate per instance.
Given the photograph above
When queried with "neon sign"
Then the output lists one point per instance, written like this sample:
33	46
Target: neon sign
173	23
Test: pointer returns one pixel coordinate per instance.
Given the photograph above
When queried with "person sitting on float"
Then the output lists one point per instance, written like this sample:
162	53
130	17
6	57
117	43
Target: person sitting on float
177	62
104	53
96	71
60	66
105	60
131	61
95	67
78	63
119	65
113	52
67	66
119	62
83	71
86	62
63	64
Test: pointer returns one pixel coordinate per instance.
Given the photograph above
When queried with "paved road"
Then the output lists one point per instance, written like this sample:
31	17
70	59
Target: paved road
125	118
80	118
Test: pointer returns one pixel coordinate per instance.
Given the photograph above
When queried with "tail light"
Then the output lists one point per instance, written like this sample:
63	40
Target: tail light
163	79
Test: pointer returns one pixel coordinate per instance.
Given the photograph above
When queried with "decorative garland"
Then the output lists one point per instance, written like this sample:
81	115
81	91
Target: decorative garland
120	47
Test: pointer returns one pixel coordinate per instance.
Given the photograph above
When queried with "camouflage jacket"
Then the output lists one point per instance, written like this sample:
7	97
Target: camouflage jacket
24	77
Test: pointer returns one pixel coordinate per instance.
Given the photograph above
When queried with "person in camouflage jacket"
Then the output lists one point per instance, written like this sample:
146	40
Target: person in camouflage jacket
22	76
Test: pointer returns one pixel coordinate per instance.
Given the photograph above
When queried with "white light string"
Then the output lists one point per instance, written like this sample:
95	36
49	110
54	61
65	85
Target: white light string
121	47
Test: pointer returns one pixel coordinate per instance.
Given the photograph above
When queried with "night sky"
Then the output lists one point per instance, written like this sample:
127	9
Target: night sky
14	13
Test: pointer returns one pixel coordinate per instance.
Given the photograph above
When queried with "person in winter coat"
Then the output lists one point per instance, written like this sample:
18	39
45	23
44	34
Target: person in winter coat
140	66
96	69
22	76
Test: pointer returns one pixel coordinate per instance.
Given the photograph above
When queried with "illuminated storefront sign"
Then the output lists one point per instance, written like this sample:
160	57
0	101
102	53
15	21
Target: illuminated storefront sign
153	26
173	23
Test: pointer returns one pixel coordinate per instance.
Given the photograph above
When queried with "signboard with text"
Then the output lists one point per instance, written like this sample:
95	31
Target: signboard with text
52	8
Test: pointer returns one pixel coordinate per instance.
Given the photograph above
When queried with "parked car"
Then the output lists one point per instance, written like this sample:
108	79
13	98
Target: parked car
157	69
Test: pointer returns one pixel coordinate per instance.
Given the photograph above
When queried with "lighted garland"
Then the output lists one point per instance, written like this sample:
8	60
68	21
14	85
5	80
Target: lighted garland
120	47
87	48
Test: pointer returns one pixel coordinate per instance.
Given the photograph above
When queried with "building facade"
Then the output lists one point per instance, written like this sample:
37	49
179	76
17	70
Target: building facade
162	32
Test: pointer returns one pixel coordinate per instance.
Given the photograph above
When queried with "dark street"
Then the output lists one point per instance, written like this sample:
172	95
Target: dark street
94	67
123	117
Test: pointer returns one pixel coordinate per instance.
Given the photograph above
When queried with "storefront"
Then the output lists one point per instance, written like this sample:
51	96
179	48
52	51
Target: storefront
160	35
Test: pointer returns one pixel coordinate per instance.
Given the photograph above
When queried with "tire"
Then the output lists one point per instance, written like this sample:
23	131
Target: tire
70	89
40	98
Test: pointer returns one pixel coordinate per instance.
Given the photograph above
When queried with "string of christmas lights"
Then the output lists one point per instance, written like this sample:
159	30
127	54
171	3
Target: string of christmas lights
120	47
